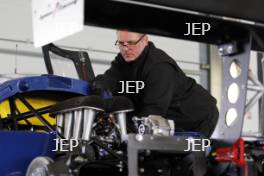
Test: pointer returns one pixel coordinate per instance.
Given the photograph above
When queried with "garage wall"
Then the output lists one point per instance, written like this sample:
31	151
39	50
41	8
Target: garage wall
19	56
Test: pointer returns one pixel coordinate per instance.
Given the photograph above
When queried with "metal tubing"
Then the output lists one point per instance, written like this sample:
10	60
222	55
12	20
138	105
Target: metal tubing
77	130
59	123
121	118
89	116
39	116
68	125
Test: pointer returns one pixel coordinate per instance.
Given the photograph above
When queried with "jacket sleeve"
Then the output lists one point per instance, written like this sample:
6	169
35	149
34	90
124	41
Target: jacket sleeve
111	76
158	90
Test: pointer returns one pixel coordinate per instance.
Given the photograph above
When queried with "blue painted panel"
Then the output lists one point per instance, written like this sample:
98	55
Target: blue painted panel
45	83
18	149
190	134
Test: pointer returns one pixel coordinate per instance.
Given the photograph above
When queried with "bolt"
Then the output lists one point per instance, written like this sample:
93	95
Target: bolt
139	137
229	49
148	152
221	50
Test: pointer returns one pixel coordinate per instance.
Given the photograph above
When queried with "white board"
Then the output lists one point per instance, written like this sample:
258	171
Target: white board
55	19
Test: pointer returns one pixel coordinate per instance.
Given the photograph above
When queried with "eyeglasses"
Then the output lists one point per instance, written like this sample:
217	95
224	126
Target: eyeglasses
121	44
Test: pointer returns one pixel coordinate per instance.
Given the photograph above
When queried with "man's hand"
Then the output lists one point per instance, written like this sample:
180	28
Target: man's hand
100	87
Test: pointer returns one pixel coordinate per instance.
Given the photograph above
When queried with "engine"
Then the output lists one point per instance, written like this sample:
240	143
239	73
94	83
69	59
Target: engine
99	127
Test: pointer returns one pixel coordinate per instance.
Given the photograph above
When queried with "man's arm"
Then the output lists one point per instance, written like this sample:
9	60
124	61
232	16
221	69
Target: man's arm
159	90
109	80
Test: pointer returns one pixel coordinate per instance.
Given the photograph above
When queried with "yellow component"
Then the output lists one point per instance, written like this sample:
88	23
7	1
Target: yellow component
37	100
214	154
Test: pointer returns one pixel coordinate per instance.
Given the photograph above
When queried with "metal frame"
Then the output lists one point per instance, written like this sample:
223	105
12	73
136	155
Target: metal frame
16	115
238	50
204	66
80	59
257	87
261	101
39	116
169	144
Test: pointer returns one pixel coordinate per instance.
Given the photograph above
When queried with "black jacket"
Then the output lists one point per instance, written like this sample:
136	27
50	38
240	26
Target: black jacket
168	91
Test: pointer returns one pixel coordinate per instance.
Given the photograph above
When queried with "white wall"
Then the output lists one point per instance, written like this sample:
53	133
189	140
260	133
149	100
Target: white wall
16	17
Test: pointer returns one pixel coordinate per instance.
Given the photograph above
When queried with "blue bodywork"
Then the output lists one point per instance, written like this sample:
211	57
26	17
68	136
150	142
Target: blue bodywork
43	83
18	149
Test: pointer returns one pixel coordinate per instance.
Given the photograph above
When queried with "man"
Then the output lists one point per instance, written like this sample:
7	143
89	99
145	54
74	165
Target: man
168	92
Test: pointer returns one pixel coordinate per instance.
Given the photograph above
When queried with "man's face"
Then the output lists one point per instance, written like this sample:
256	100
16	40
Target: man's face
131	44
